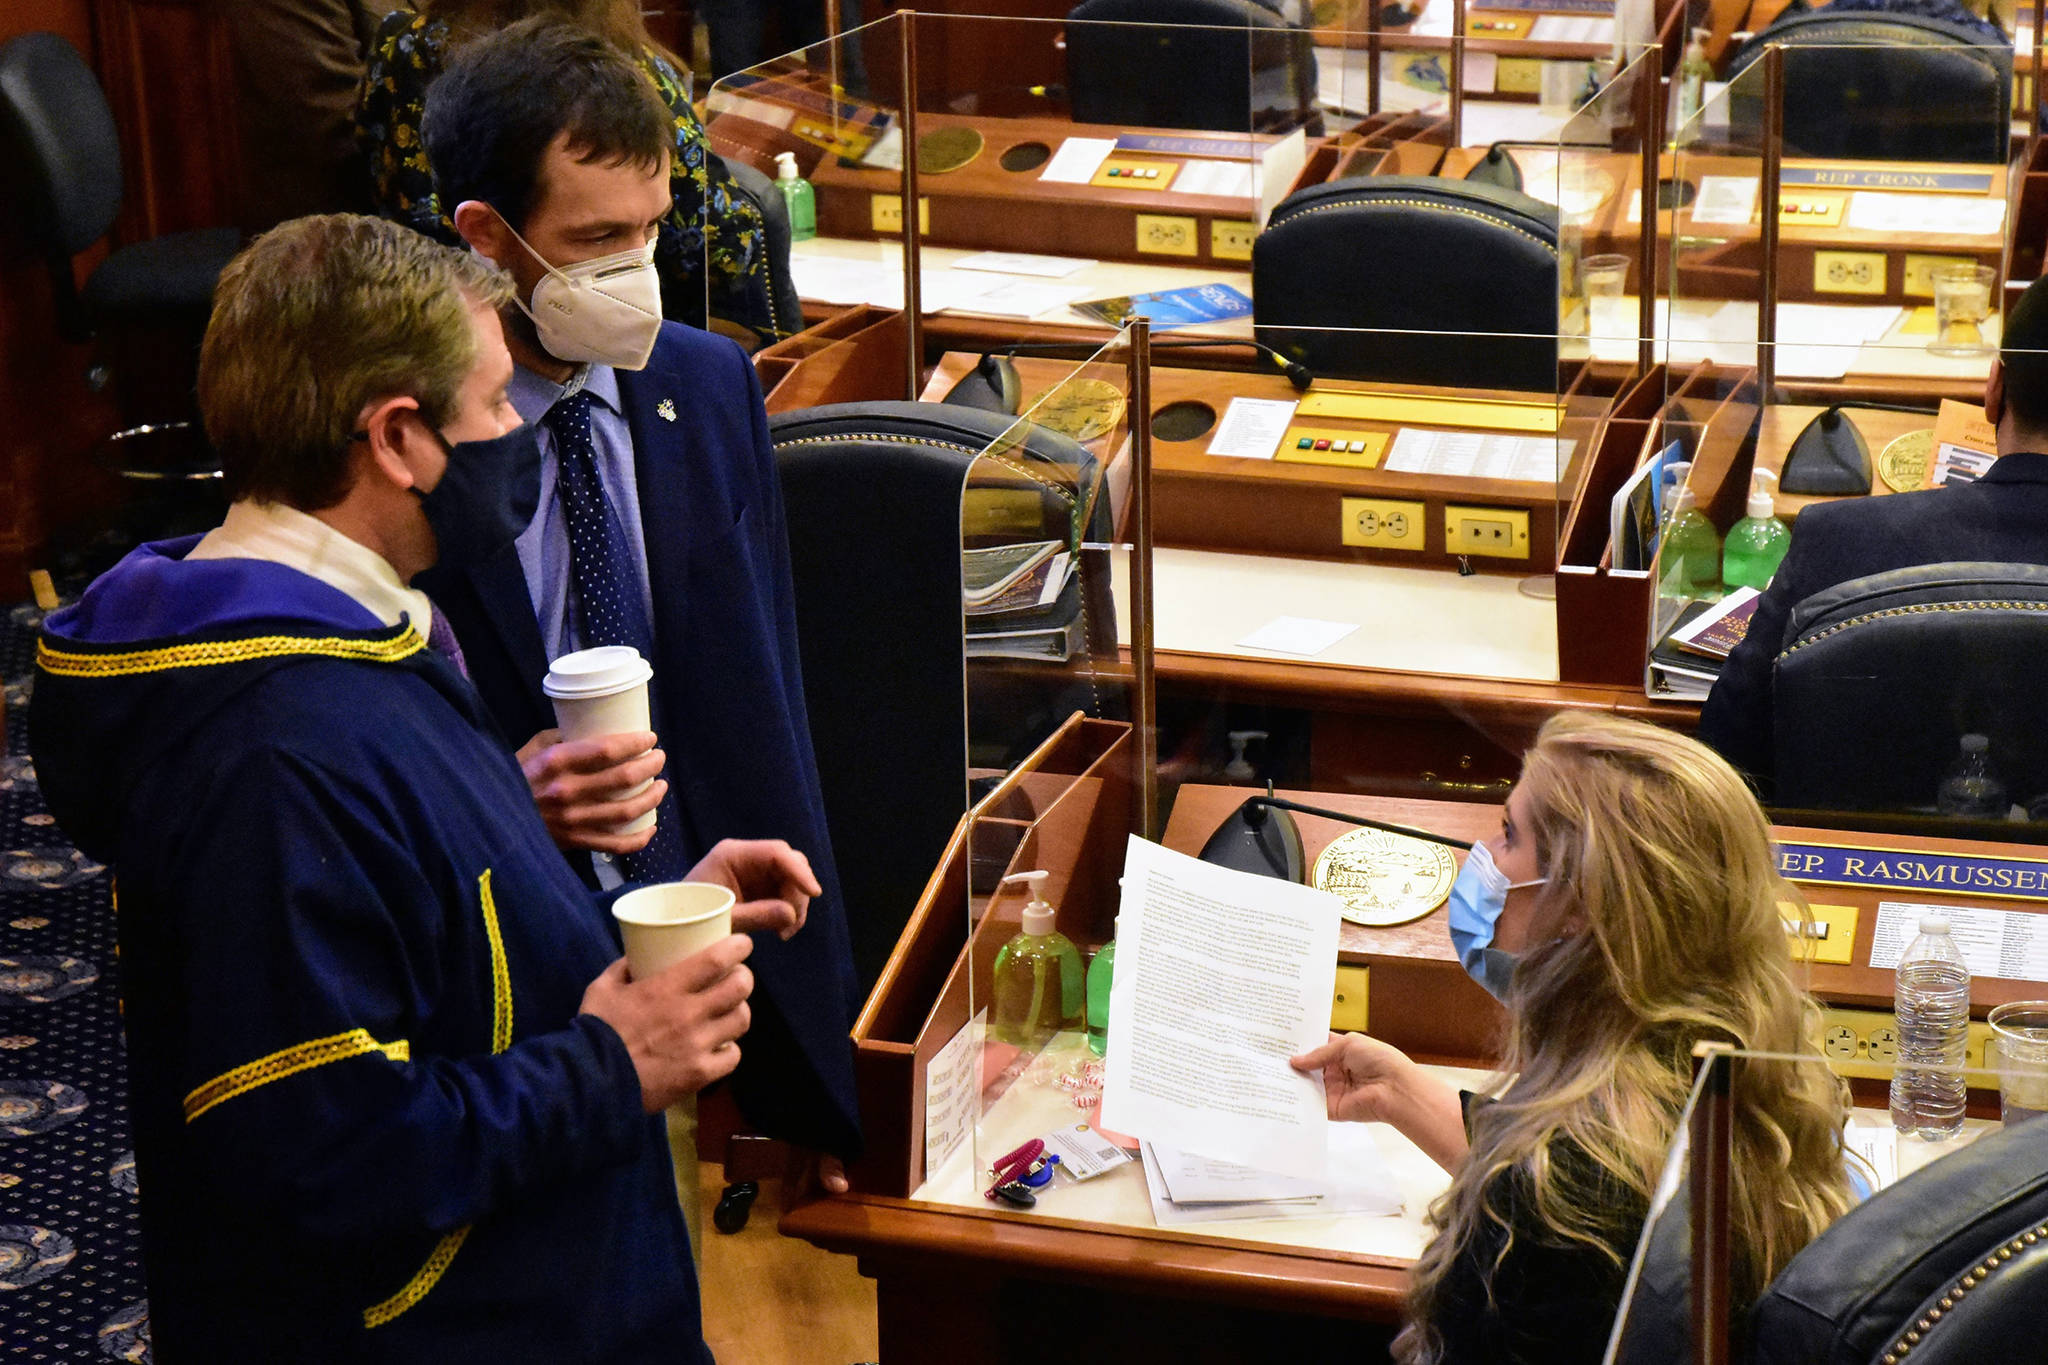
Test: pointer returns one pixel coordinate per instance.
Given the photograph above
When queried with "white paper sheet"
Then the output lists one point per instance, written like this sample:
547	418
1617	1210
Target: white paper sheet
1358	1184
1023	263
2009	944
1225	179
1879	1146
1481	70
1478	455
949	1093
1297	635
1017	299
1252	427
1571	28
1221	977
1727	199
1077	160
1952	215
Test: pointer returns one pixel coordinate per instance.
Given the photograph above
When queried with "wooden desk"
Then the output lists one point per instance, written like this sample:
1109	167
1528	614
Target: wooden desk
1086	1275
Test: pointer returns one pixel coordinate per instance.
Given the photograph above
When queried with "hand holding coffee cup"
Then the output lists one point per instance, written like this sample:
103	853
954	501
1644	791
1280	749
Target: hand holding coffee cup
601	708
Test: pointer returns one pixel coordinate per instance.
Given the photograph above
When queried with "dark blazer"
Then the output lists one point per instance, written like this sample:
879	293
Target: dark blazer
728	700
2003	517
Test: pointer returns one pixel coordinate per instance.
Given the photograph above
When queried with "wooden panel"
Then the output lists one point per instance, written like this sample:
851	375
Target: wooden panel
170	79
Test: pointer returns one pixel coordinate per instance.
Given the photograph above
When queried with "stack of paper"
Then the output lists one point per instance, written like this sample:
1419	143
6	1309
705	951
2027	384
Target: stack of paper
1186	1188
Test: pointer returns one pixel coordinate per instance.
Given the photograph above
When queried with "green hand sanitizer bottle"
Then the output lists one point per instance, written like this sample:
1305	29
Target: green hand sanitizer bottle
1038	982
1691	551
797	197
1756	545
1100	973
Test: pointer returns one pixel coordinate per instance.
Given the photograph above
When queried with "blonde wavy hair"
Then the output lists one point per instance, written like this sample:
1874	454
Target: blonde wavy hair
1656	852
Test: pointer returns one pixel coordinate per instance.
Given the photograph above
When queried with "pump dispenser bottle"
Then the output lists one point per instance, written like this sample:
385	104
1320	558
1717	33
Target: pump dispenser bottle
1038	981
1691	547
797	197
1756	545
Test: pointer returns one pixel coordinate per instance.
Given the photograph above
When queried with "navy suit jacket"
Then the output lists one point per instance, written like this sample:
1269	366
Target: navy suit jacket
727	696
2001	518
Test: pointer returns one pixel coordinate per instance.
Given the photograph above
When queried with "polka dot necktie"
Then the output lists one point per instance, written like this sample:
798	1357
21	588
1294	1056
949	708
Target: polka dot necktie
608	604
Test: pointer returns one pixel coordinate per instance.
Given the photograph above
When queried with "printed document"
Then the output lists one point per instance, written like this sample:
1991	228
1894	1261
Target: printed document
1221	977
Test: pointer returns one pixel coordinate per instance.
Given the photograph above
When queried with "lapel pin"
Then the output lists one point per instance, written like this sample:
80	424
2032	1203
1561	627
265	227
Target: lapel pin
667	409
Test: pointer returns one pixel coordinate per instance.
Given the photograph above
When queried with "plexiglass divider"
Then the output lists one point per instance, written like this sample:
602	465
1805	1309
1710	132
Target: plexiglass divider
1900	1207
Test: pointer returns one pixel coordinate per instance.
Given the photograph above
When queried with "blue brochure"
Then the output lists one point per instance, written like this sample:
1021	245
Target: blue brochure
1170	308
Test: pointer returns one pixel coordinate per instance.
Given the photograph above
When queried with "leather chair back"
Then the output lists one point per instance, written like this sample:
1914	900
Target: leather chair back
1880	87
1123	69
1432	261
873	496
1878	678
63	155
1947	1267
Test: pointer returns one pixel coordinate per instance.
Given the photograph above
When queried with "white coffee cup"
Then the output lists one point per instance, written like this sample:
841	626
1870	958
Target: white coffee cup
602	691
664	924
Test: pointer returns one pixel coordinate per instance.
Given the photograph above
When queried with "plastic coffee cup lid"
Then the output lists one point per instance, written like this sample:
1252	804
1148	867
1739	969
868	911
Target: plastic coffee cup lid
598	672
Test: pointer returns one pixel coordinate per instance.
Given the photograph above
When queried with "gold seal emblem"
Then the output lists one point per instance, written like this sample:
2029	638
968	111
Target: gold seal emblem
1385	878
947	149
1903	465
1080	408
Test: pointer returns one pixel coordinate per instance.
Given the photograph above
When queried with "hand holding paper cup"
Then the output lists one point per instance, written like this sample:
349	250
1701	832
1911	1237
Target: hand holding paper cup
664	924
602	691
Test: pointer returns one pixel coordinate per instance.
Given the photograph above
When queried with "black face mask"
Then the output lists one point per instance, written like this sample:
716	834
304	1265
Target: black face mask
487	496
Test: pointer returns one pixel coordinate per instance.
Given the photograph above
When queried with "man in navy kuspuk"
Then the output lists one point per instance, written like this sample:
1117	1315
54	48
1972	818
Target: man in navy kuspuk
394	1095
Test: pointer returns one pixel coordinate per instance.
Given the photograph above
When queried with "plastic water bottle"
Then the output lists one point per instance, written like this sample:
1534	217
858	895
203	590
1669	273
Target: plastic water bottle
1971	788
1932	1002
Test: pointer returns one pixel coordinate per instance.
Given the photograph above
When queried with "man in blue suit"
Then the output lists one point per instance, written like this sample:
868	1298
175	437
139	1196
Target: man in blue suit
2002	518
660	527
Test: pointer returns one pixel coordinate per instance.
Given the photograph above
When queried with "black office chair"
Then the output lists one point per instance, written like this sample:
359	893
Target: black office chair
1939	1269
1880	87
147	298
1947	1267
1443	267
783	301
873	493
1878	678
1127	69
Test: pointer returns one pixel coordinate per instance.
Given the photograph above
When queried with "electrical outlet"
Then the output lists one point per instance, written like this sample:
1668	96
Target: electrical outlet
885	213
1498	532
1384	525
1231	240
1165	234
1347	1004
1865	1044
1848	272
1917	279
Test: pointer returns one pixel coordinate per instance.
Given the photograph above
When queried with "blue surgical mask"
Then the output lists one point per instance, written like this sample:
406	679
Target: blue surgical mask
1477	898
486	498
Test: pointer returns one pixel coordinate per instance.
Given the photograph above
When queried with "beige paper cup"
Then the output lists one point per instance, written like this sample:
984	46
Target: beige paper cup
598	692
664	924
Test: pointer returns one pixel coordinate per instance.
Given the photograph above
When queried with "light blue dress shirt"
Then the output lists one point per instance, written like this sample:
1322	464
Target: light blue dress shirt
544	545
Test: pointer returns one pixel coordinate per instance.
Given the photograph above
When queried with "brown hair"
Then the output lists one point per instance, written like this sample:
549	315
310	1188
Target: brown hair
1653	843
318	318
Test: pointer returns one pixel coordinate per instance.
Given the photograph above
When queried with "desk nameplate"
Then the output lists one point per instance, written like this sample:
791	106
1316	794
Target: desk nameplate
1956	874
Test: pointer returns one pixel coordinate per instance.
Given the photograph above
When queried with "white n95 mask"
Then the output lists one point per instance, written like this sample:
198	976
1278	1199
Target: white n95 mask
601	312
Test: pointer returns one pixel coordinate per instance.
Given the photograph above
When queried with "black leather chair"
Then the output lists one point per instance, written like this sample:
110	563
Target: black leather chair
874	494
1443	268
64	175
1880	87
1241	69
1947	1267
1879	677
1943	1268
782	296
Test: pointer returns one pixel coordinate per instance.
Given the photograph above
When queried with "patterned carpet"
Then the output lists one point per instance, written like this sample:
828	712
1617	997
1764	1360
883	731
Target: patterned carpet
70	1255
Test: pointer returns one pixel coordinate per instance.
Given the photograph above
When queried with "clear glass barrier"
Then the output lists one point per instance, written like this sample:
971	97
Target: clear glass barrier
1884	198
1868	1233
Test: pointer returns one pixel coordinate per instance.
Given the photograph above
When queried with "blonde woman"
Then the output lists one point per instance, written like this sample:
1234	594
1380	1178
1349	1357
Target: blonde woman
1627	910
